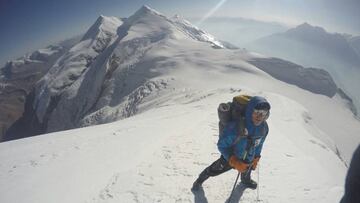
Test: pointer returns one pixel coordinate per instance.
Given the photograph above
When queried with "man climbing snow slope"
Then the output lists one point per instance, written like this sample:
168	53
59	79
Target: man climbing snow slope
241	140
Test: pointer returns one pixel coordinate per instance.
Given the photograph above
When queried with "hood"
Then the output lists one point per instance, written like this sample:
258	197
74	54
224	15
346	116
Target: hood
254	101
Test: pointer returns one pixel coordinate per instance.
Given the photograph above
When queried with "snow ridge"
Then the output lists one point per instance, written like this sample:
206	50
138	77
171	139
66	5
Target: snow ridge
195	32
312	46
74	64
315	80
103	26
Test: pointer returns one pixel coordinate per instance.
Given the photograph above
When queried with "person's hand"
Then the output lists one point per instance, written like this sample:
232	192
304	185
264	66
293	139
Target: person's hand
255	162
238	165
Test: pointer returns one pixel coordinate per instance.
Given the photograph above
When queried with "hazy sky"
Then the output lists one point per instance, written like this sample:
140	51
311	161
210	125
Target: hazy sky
27	25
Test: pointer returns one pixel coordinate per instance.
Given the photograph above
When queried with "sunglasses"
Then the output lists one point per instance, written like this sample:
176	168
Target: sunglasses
261	112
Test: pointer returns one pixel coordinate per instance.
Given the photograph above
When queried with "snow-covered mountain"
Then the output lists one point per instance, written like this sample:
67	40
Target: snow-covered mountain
79	89
314	80
239	31
313	46
164	78
18	77
317	38
335	44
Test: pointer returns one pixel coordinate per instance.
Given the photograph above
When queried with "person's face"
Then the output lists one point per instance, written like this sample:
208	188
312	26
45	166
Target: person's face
258	116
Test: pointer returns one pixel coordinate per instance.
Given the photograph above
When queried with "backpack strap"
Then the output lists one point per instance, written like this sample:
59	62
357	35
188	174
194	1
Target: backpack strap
265	128
243	134
241	131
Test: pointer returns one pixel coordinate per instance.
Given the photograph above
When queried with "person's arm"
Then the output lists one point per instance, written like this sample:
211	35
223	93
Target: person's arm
240	150
226	141
259	147
238	159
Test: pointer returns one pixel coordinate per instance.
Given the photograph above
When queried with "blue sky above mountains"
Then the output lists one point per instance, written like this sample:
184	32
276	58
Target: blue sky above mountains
29	25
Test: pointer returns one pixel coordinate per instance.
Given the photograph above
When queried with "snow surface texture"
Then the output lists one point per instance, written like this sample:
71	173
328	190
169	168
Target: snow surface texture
170	85
156	155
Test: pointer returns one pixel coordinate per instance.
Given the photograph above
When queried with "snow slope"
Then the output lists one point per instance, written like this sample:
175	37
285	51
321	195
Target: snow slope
156	155
168	98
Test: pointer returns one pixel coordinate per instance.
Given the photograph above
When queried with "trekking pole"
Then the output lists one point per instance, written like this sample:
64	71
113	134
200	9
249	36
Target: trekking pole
237	178
258	180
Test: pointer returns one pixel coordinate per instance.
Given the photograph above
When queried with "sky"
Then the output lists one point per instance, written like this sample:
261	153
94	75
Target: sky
27	25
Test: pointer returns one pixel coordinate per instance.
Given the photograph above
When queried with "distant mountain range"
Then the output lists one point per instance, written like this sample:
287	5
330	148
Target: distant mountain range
313	46
315	39
240	31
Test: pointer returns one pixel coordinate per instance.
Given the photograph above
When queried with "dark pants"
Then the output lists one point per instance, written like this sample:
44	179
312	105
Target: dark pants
352	182
218	167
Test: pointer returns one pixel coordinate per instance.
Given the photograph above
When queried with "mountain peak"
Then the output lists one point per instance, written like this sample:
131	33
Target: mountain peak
306	28
101	17
143	12
177	16
147	9
102	24
305	24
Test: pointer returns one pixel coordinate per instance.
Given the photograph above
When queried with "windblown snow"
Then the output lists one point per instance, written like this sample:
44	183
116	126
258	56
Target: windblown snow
165	85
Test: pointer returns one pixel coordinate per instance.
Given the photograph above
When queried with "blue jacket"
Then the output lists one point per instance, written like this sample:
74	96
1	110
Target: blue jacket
247	148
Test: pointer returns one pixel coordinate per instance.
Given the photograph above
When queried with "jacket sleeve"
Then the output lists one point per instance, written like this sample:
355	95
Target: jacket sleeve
226	141
258	149
240	150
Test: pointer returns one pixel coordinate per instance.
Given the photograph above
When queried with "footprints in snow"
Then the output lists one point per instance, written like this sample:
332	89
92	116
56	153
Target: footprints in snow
319	144
289	155
35	162
107	193
170	163
172	159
